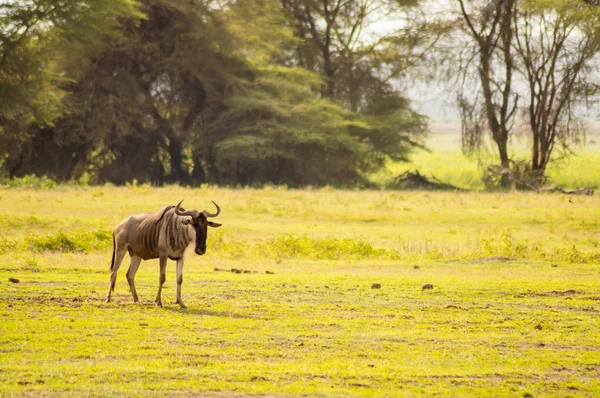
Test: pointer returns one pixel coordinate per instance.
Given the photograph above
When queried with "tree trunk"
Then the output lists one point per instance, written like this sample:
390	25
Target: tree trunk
541	151
502	142
499	133
328	68
177	174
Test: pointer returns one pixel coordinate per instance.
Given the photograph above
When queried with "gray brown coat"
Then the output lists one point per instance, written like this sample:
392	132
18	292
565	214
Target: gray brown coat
170	233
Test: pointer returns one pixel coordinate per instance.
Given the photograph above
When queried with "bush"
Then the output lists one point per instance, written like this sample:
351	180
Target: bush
505	245
7	245
29	181
291	246
78	241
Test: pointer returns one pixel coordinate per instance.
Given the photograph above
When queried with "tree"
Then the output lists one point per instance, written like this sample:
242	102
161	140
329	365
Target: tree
558	45
363	73
276	128
197	93
37	39
334	44
490	26
133	109
533	56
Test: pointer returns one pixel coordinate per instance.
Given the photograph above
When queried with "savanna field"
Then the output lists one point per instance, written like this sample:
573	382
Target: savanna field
312	292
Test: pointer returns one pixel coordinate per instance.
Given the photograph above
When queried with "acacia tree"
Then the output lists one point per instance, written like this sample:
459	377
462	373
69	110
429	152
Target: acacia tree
276	126
534	56
333	42
363	74
489	24
558	47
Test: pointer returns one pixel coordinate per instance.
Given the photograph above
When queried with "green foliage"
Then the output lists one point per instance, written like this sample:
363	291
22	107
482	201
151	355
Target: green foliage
303	247
361	72
38	40
76	241
506	245
323	249
29	181
289	135
7	245
395	128
227	103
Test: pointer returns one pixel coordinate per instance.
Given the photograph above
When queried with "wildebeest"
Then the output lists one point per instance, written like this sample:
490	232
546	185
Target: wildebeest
171	233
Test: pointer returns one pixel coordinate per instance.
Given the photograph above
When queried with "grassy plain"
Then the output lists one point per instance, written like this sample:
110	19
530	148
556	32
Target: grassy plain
514	309
445	161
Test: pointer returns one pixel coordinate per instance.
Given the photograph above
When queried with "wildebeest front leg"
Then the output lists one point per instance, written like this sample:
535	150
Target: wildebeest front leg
133	267
161	280
179	282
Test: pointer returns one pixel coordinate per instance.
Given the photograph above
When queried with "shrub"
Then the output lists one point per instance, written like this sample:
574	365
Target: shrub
7	245
291	246
506	245
78	241
321	249
29	181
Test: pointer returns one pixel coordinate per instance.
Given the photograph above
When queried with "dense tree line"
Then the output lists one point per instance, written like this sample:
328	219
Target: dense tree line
171	91
279	91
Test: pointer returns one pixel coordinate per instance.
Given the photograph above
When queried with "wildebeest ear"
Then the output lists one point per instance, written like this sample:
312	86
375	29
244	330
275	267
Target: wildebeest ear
214	224
186	221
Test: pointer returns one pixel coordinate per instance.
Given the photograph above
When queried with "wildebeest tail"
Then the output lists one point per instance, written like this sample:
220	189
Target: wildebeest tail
112	263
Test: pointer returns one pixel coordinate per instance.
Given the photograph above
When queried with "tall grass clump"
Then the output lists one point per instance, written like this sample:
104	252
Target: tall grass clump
505	245
576	171
28	181
76	241
501	244
291	246
7	245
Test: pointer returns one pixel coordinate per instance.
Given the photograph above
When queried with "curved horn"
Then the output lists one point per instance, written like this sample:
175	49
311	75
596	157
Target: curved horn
191	213
207	214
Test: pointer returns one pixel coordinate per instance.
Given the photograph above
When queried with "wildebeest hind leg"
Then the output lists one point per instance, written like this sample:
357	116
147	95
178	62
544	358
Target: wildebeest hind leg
133	267
118	255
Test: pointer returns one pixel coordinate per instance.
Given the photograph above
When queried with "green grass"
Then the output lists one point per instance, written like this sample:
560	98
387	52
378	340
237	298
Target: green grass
446	162
514	309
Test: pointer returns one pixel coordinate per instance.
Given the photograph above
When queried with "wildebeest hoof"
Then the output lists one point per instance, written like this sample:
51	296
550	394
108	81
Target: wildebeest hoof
181	304
107	300
158	303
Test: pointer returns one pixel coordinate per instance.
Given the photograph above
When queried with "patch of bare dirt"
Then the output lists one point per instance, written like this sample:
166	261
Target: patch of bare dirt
494	259
240	271
66	301
554	293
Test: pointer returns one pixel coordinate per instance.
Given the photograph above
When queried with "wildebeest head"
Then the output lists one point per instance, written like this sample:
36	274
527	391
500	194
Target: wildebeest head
199	221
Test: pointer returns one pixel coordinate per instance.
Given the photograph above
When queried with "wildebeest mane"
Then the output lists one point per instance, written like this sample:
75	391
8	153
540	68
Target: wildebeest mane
175	232
149	229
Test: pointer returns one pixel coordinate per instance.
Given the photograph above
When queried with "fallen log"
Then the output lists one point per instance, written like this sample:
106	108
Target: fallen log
414	180
579	191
